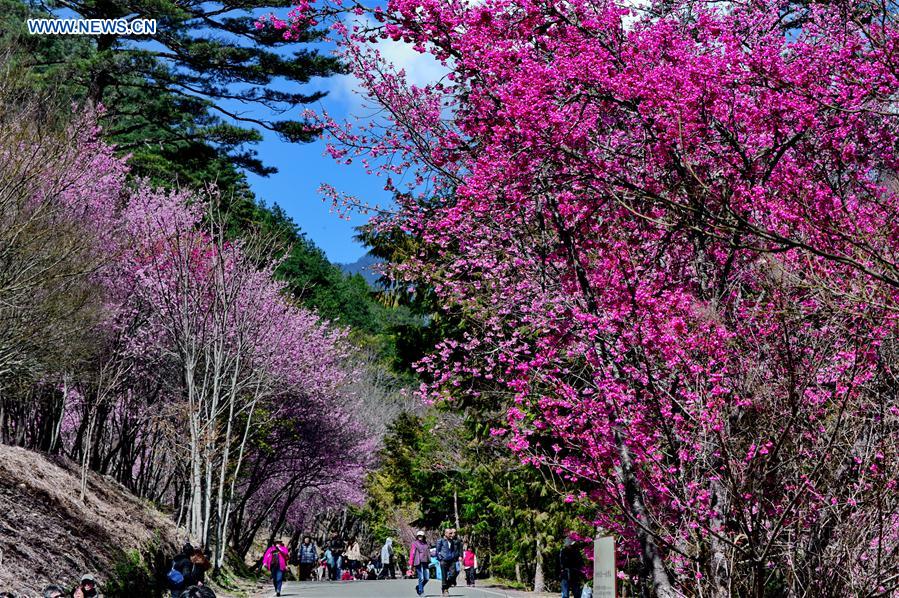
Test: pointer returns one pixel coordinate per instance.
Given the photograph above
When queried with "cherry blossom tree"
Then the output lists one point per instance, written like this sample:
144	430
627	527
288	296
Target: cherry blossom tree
241	351
59	188
671	232
155	348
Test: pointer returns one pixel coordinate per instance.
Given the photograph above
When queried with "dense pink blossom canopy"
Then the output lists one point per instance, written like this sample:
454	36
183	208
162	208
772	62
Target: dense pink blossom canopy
673	234
177	294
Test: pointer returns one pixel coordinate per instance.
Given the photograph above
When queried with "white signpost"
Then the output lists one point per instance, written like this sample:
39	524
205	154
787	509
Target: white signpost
604	573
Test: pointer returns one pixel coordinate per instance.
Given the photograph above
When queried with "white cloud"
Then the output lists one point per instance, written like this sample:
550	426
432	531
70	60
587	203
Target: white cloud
420	69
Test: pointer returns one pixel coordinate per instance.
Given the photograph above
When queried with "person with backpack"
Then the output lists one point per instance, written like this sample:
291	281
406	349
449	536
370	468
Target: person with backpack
449	553
307	555
420	560
470	562
180	575
275	560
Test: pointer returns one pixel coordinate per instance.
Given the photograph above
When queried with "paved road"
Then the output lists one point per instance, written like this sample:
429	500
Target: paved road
376	589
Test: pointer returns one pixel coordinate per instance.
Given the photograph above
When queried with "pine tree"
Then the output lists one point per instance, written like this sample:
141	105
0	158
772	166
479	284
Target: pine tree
207	81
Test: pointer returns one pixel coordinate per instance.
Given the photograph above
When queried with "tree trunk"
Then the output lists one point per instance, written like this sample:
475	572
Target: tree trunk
196	482
86	453
652	560
224	523
720	566
208	465
57	423
3	435
539	583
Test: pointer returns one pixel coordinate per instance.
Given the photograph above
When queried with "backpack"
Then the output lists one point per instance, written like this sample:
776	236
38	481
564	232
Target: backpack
176	578
275	564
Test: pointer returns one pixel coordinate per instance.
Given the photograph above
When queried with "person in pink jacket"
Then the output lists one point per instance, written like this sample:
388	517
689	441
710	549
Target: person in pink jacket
275	560
419	559
470	562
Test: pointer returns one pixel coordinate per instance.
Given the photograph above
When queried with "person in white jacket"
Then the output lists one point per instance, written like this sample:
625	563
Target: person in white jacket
354	557
388	563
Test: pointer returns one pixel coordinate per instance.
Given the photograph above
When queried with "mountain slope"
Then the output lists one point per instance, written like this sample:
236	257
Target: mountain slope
47	535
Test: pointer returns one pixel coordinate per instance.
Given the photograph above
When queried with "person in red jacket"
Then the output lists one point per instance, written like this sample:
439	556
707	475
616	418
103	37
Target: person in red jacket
275	560
470	562
419	560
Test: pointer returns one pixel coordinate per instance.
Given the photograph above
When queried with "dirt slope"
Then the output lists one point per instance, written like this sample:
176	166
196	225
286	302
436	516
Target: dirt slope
47	535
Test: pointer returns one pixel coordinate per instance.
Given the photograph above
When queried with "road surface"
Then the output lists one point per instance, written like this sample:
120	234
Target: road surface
377	589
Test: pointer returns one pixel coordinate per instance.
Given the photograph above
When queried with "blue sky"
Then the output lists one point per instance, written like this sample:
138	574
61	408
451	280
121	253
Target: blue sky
302	168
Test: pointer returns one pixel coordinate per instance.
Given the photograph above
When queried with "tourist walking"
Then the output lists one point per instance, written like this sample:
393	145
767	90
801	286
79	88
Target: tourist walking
470	562
275	560
353	556
330	566
338	547
571	563
449	553
308	556
388	563
419	560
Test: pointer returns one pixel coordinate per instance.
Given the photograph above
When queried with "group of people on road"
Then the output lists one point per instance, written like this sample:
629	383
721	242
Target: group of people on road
449	558
342	560
339	560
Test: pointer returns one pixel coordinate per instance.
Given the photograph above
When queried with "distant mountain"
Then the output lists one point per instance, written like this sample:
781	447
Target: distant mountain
364	266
